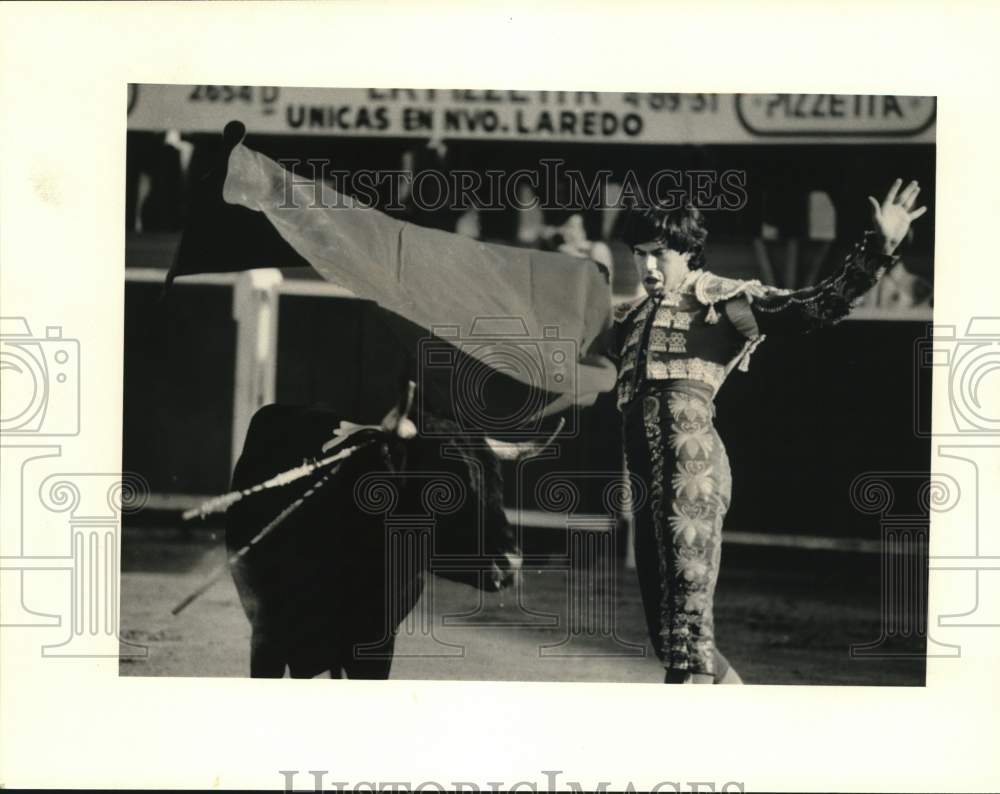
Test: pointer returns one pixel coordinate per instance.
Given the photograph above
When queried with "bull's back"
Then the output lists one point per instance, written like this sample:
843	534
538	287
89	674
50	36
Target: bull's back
314	584
277	577
279	438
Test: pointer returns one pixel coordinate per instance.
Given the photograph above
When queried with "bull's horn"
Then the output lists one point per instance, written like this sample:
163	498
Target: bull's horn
398	419
509	450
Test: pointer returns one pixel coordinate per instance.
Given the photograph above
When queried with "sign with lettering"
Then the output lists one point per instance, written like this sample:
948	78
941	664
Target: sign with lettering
835	115
572	116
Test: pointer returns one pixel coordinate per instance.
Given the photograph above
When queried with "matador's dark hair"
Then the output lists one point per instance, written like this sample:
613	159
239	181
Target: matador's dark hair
681	230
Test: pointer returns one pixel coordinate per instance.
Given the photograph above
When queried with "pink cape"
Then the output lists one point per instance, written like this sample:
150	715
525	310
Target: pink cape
538	317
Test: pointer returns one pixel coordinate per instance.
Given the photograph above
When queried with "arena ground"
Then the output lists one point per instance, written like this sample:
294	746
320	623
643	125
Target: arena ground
783	616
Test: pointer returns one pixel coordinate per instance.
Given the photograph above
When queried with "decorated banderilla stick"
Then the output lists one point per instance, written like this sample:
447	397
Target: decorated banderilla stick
285	477
397	421
220	504
236	556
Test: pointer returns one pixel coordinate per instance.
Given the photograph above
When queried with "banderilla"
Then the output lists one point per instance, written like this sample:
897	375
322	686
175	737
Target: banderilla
220	504
236	556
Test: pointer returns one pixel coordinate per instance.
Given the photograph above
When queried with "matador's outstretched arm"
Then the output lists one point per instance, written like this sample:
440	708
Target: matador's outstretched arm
794	311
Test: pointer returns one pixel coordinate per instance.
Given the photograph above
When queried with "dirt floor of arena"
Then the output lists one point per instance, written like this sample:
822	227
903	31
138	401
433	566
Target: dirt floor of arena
783	616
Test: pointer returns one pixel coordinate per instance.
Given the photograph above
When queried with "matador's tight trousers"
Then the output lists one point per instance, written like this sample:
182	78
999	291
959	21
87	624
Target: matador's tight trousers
673	449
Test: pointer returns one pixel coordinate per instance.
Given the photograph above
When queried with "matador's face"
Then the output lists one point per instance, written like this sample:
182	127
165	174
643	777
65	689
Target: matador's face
660	268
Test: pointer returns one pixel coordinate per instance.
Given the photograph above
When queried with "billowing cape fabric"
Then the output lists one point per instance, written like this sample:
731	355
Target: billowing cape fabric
539	305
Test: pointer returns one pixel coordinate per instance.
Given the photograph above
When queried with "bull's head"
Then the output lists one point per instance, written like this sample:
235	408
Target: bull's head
396	426
478	527
397	422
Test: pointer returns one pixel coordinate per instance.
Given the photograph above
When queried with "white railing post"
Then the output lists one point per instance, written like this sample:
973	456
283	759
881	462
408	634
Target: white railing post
255	310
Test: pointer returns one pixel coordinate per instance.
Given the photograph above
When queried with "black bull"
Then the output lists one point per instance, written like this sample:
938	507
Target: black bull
328	589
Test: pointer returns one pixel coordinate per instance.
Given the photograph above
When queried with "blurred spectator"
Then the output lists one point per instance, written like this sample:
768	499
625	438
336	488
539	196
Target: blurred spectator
429	209
157	168
564	229
570	237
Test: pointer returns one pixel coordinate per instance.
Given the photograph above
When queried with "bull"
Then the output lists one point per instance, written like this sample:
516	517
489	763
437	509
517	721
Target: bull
328	590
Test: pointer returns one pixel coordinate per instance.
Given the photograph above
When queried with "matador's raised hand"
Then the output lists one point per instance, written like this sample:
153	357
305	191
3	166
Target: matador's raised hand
895	214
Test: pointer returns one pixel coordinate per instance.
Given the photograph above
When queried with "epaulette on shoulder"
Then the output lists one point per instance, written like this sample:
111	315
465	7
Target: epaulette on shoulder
710	289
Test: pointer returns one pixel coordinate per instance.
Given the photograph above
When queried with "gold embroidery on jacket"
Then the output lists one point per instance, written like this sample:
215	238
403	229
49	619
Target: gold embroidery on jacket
688	368
677	343
668	318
